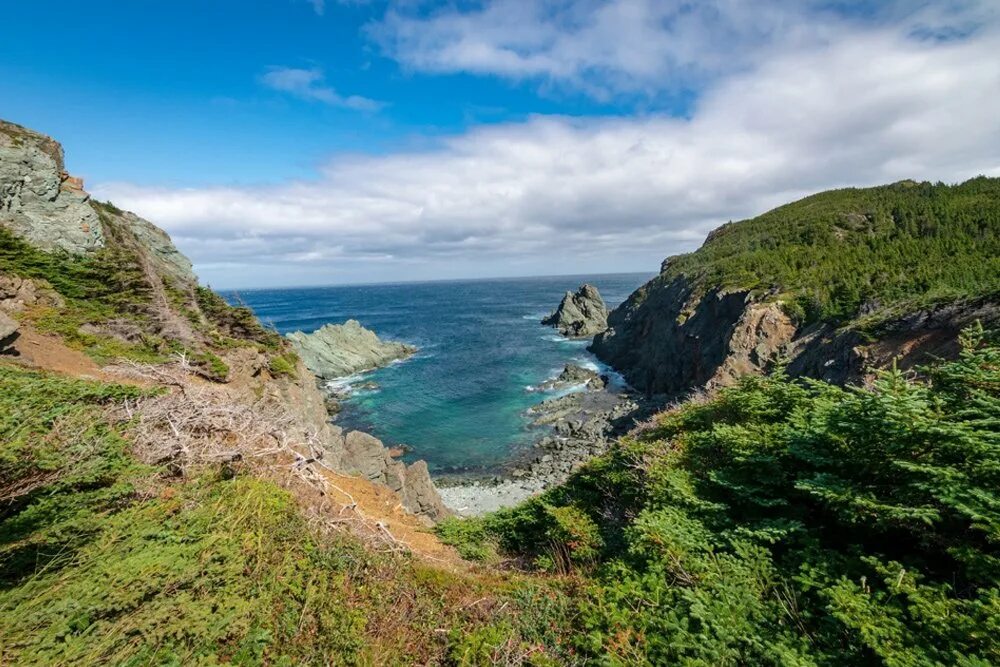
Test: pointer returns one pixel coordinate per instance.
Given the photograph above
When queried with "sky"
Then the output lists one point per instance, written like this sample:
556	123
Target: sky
310	142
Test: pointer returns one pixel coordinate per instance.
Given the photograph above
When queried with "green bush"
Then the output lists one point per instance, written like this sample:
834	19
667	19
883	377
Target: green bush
106	561
789	522
469	537
283	365
237	322
211	366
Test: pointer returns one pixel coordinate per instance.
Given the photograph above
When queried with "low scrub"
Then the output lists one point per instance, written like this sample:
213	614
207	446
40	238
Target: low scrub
788	522
104	560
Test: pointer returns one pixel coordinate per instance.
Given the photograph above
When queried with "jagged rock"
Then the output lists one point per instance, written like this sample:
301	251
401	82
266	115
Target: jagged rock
580	315
420	496
666	341
39	201
8	331
365	455
336	350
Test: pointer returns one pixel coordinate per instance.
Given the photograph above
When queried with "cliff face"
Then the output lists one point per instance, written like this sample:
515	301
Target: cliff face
39	201
665	344
836	285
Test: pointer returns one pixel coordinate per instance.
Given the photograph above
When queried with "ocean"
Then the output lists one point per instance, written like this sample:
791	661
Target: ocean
460	402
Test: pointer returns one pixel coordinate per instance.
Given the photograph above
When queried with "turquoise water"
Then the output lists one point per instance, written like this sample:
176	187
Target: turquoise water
459	403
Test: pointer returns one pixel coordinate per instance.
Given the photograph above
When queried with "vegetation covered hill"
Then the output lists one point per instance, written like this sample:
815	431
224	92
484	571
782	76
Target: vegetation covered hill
106	560
834	252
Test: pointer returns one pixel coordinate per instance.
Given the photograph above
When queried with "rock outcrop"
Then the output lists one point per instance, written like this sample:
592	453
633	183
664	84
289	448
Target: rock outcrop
365	455
580	315
573	376
337	350
8	331
39	201
168	260
50	210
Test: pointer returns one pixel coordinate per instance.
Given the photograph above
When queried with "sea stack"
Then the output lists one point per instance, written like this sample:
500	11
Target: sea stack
337	350
580	315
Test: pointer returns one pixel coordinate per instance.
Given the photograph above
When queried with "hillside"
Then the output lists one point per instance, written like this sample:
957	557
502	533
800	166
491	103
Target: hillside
816	282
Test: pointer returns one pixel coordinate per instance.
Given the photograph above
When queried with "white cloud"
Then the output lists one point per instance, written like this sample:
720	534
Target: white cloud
557	194
310	84
607	47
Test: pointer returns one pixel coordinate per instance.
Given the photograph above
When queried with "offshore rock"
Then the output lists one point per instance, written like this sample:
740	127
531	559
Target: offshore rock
573	376
39	201
336	350
580	315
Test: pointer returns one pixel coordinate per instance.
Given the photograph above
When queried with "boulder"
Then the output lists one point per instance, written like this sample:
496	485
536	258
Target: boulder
8	331
580	315
337	350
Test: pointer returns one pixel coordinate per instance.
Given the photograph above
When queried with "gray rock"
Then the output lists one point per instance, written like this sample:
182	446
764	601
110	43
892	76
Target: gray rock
39	201
336	350
580	315
365	455
8	331
573	375
168	259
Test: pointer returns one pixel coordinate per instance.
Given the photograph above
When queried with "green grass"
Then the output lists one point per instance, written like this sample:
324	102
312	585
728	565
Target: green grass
106	561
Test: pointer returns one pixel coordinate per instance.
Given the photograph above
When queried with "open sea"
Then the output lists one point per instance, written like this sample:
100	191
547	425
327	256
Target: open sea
459	403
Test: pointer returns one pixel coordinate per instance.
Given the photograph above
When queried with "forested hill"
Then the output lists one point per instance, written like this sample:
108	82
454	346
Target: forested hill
841	251
836	283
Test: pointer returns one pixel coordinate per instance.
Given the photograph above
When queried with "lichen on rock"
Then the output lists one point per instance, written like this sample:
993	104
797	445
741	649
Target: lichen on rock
39	201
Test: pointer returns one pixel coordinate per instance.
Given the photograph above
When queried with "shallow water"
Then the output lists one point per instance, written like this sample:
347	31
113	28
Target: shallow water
459	403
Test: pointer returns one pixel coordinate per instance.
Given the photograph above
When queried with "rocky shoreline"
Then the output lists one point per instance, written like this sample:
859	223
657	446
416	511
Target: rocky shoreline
579	425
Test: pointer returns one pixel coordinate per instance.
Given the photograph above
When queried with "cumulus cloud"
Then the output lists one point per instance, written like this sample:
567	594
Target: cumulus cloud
559	194
310	84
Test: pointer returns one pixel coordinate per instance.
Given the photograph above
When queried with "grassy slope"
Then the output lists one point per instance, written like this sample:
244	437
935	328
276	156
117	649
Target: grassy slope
837	250
116	285
105	561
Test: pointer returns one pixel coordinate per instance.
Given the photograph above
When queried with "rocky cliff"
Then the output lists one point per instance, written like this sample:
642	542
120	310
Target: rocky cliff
835	285
89	279
581	314
39	201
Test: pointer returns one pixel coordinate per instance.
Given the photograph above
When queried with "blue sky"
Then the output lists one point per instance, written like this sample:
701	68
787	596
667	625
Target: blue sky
294	142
